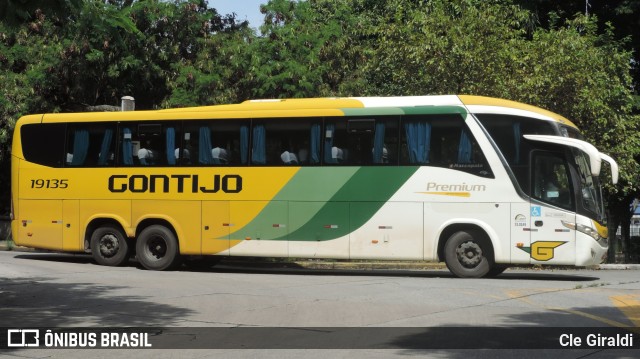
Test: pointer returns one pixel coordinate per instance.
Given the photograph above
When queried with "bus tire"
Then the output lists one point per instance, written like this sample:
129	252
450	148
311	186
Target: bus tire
467	256
157	248
109	246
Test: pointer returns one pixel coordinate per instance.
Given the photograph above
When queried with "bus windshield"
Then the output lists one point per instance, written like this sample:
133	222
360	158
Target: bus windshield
591	193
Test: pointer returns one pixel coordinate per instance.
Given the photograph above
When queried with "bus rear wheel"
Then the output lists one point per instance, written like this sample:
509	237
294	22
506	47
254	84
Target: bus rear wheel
157	248
467	255
109	246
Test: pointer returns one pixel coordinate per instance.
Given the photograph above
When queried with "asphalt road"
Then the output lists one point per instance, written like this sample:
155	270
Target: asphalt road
41	290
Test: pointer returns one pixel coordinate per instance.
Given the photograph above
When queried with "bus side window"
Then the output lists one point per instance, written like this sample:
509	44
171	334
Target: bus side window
442	141
44	143
90	145
288	142
214	143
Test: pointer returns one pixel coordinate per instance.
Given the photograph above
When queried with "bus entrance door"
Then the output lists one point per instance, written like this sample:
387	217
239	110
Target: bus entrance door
552	202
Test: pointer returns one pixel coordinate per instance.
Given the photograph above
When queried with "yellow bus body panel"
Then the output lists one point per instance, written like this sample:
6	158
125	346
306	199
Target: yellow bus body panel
469	100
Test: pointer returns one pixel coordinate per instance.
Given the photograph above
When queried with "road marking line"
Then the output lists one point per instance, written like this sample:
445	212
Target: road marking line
611	322
629	306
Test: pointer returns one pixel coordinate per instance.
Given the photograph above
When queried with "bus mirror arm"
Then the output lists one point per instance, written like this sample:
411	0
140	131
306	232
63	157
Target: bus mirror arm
614	167
595	157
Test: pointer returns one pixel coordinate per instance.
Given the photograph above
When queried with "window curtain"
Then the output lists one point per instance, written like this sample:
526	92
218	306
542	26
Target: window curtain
204	147
80	147
316	135
464	147
378	143
105	148
418	140
127	147
244	144
259	149
171	146
330	130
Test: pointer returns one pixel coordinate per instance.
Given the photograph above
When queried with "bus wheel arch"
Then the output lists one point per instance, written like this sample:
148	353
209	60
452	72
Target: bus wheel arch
467	250
157	245
106	240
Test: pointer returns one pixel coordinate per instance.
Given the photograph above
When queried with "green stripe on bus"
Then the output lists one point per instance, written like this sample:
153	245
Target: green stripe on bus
311	218
372	111
434	110
409	110
372	186
309	185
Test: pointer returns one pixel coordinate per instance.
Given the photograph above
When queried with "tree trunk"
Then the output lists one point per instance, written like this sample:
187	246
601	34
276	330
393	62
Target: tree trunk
613	224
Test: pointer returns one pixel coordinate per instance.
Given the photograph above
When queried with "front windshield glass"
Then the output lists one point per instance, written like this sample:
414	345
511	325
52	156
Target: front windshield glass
591	194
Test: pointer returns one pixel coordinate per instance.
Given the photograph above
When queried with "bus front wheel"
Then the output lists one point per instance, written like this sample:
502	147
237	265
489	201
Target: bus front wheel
157	248
109	246
467	255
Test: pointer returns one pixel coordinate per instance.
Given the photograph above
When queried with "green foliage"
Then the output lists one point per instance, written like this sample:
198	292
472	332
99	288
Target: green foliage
304	50
16	12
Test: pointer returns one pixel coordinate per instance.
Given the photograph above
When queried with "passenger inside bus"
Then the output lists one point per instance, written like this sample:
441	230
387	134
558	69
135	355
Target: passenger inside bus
289	158
219	155
145	154
337	154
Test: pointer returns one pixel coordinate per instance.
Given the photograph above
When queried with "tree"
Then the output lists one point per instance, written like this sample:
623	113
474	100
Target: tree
304	49
15	12
622	15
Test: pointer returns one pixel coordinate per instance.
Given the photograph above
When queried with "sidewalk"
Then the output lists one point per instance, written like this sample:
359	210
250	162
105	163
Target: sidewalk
357	264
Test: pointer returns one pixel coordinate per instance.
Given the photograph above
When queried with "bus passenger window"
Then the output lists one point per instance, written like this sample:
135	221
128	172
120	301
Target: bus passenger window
442	141
215	143
288	142
90	145
44	143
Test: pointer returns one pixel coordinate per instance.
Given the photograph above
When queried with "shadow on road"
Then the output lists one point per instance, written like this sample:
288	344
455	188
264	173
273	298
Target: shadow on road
38	301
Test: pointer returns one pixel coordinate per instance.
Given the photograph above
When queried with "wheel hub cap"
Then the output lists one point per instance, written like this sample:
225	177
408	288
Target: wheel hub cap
469	254
109	245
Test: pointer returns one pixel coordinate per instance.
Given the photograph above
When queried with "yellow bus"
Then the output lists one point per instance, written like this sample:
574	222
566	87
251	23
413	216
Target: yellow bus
479	183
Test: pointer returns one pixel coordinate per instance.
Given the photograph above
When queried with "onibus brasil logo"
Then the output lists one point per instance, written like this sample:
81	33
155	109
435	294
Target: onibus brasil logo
542	250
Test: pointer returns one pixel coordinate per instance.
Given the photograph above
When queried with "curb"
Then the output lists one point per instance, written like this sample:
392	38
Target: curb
619	266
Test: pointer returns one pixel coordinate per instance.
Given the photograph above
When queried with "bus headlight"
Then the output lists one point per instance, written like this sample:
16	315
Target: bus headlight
591	232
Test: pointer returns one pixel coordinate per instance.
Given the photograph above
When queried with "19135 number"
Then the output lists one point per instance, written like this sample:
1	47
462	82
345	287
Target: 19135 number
49	183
